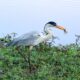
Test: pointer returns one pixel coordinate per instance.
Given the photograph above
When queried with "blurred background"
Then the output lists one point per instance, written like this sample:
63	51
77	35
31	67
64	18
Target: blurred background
23	16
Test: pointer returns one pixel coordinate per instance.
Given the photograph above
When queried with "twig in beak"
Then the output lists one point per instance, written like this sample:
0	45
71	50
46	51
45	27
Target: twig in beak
65	31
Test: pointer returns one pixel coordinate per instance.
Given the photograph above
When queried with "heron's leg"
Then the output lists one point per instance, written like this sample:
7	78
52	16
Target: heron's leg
29	55
30	48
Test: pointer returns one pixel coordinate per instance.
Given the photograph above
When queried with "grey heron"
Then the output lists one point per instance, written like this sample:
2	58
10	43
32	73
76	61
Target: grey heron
33	38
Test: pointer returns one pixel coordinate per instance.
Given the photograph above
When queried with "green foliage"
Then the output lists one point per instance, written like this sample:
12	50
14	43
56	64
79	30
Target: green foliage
6	39
47	62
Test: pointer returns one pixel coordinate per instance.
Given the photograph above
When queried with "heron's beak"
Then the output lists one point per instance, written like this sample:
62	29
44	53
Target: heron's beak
62	28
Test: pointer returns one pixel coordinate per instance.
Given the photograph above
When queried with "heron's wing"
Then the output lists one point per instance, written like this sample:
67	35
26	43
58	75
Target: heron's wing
29	35
25	39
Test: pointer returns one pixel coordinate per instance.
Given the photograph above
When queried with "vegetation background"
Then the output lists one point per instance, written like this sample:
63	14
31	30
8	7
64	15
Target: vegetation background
47	62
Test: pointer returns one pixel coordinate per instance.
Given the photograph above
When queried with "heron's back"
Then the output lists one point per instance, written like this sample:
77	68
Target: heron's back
26	39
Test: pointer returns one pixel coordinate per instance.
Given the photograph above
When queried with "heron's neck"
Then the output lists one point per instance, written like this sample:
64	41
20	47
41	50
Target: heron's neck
47	29
45	37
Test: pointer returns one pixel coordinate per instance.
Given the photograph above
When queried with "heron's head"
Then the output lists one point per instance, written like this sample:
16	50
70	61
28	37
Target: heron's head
54	24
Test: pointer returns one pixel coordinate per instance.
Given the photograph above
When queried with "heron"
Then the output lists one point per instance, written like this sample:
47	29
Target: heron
34	38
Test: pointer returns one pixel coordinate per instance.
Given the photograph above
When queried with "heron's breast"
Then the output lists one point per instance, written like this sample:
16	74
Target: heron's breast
42	39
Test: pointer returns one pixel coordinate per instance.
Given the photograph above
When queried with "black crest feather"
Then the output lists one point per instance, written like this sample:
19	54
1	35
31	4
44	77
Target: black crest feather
52	23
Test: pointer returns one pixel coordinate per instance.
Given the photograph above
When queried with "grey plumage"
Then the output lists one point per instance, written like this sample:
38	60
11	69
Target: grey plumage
25	39
34	38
